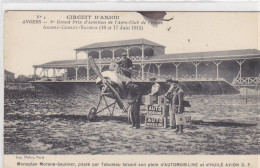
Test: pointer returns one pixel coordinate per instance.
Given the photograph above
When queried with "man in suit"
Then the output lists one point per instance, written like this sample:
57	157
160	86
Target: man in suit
176	96
155	90
135	99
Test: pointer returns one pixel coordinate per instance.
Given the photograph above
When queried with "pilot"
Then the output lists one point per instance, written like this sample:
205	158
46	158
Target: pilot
135	99
155	90
176	96
125	65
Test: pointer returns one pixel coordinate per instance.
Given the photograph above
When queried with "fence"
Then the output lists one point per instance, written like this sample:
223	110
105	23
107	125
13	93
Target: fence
246	81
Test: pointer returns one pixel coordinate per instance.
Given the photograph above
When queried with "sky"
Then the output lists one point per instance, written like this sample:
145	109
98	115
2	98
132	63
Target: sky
26	45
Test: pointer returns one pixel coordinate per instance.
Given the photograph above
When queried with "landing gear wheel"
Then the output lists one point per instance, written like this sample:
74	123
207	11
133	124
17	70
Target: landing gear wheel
129	115
92	113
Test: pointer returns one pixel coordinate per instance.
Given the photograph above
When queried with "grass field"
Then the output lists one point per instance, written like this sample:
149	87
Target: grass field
57	124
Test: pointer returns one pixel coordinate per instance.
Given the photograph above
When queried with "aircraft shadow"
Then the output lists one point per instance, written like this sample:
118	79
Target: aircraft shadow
68	117
124	119
119	119
221	123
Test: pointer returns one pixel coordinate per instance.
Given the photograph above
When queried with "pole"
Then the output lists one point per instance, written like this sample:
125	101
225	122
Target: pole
88	68
127	51
142	66
76	69
217	63
76	55
47	73
176	66
35	73
54	73
240	62
159	70
196	66
113	54
142	52
99	54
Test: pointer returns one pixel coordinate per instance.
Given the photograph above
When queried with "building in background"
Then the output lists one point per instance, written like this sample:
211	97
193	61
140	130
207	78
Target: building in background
9	77
22	79
237	67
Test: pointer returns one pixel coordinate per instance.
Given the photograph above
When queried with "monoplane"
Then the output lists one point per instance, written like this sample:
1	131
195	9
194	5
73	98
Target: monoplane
112	84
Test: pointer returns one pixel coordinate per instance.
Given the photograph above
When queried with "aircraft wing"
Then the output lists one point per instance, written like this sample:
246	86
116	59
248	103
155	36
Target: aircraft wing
194	87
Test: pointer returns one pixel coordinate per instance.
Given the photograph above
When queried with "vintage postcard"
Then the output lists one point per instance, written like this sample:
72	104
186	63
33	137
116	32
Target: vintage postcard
131	89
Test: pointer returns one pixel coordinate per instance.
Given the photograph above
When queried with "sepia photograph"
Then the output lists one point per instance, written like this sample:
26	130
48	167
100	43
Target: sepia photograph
131	83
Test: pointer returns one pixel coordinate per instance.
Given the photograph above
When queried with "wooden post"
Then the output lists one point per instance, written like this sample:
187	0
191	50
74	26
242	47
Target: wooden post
113	54
76	54
66	73
88	68
142	52
159	70
240	62
44	72
176	64
217	63
35	73
142	67
58	70
76	70
127	51
41	72
100	59
196	66
54	73
47	73
87	54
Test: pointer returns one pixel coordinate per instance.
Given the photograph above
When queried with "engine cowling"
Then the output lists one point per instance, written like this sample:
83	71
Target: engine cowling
114	78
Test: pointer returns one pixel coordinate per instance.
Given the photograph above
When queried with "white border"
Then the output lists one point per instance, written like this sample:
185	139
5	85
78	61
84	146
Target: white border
139	6
124	5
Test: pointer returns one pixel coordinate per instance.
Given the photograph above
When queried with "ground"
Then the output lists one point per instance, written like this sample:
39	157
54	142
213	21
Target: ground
57	124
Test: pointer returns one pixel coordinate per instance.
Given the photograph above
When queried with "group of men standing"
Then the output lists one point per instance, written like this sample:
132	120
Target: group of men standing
175	95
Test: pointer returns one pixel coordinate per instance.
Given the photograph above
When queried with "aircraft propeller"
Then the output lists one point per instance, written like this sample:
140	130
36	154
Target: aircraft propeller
95	68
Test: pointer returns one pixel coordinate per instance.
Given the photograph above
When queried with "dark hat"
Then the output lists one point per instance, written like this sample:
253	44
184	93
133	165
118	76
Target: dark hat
124	54
152	78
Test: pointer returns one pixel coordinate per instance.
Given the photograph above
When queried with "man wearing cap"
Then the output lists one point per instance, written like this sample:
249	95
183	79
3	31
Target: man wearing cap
135	99
125	65
155	90
176	96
